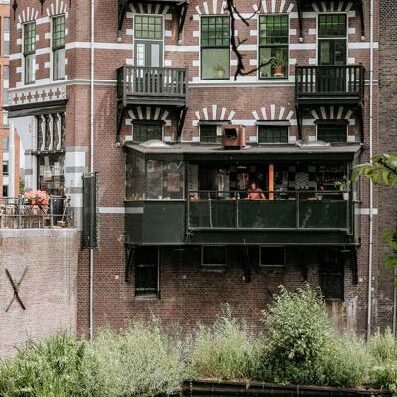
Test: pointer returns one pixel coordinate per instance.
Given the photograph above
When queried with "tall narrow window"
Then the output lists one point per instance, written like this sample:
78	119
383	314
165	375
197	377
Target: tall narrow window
273	46
147	272
215	47
6	36
5	118
29	51
6	84
58	47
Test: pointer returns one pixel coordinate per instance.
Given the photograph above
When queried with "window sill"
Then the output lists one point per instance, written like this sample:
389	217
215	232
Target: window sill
147	297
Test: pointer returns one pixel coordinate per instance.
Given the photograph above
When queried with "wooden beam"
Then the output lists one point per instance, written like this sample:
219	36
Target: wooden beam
271	181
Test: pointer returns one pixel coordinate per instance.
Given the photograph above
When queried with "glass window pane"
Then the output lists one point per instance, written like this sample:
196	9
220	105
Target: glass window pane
29	38
332	25
146	271
51	174
273	134
147	132
215	63
209	134
214	256
148	27
30	68
155	179
333	133
215	31
58	32
59	64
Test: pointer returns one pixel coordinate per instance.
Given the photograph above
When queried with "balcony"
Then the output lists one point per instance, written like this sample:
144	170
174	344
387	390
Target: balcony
152	86
18	213
329	85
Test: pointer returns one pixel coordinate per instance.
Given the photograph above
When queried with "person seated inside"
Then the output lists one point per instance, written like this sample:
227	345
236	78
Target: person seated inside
255	192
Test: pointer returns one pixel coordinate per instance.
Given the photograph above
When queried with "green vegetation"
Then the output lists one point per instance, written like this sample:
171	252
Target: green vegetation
298	344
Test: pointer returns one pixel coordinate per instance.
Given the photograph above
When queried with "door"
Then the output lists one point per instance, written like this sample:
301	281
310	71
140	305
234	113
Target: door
148	53
332	53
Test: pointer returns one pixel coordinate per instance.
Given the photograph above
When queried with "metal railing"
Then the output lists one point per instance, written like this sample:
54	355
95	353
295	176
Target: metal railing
317	81
288	210
151	81
19	213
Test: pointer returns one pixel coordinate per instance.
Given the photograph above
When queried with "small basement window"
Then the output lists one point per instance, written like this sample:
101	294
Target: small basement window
332	132
272	134
211	133
272	257
214	256
147	280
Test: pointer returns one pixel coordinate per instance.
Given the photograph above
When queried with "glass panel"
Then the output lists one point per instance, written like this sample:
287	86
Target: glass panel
332	25
272	134
155	55
273	46
51	174
59	64
340	52
58	32
29	38
209	134
148	27
215	31
146	132
30	68
332	132
215	63
155	180
140	55
325	52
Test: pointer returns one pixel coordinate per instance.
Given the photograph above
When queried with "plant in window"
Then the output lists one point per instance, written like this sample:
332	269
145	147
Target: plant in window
219	70
343	185
278	63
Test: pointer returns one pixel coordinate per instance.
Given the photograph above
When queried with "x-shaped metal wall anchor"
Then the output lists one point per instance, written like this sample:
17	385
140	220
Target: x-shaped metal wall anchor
15	287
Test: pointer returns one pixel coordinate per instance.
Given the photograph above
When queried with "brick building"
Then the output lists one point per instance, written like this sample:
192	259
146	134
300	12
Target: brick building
146	98
4	83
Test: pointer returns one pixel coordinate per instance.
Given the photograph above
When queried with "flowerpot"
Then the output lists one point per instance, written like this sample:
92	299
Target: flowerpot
221	74
346	196
278	71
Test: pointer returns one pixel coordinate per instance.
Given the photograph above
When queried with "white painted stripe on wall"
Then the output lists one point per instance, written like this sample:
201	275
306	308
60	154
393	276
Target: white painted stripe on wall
365	211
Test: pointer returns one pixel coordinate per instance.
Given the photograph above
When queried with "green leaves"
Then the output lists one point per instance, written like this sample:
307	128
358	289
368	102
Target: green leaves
382	171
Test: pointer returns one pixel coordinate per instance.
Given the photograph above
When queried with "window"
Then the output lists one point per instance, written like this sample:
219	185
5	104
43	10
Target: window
210	133
272	134
5	118
332	132
215	47
5	167
51	175
5	191
332	25
146	131
148	27
6	77
147	271
6	36
29	51
5	143
331	274
273	46
213	256
58	47
272	256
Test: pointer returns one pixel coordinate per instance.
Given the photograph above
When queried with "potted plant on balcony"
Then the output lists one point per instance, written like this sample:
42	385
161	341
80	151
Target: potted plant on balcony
278	63
343	186
219	70
38	198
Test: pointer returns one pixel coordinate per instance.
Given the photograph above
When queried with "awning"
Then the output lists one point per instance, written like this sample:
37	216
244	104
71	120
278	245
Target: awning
298	151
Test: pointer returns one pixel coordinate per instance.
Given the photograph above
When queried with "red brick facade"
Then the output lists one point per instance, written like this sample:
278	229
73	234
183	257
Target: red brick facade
187	293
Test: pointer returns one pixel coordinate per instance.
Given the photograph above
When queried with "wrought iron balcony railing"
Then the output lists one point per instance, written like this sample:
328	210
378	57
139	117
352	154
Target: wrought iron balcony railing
151	84
329	82
19	213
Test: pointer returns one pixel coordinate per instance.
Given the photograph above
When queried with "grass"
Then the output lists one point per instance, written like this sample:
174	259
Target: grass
298	344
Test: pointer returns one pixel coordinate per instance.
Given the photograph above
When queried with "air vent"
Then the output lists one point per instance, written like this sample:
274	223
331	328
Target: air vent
233	137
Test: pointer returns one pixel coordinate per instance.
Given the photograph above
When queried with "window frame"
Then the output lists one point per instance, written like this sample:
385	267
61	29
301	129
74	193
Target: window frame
147	123
144	293
275	124
286	77
341	122
58	48
227	75
214	265
4	32
29	54
275	265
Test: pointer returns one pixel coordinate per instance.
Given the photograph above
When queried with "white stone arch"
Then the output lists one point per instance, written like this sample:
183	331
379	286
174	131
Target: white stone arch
214	113
333	6
149	8
57	7
148	113
274	6
211	7
273	112
333	113
28	14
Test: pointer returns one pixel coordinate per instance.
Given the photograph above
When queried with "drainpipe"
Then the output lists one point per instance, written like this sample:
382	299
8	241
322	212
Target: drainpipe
371	186
11	160
92	76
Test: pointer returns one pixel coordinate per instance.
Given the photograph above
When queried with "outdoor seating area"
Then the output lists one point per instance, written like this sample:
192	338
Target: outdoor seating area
23	213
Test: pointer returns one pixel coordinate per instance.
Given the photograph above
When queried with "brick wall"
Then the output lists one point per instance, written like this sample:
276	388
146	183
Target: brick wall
48	289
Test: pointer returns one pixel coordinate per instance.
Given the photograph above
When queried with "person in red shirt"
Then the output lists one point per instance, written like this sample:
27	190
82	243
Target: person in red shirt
255	192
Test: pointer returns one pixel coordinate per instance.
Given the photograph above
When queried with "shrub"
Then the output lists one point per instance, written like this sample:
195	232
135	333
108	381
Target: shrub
224	350
297	330
143	360
58	367
346	361
383	349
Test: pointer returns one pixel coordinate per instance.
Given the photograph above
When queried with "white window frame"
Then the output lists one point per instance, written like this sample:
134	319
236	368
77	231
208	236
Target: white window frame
52	60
